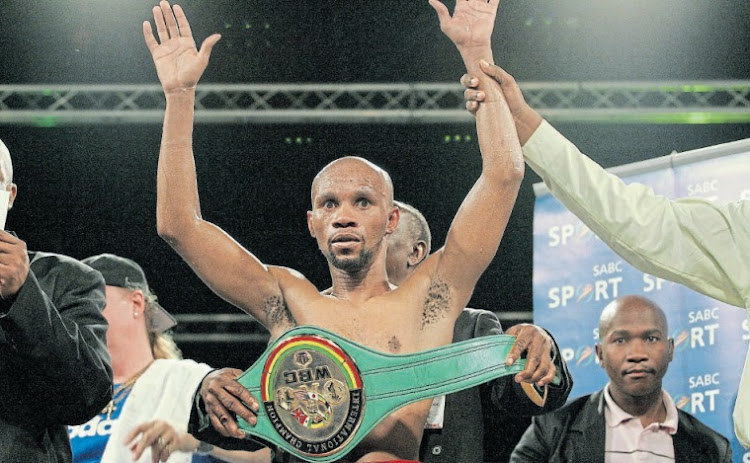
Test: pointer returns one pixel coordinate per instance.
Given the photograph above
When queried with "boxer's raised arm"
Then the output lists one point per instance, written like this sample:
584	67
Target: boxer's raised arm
223	264
480	222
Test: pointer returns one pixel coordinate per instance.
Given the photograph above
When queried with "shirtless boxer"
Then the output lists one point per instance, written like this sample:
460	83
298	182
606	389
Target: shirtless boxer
352	211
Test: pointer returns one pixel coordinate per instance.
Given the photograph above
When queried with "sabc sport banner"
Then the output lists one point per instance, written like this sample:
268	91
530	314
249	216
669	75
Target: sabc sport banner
576	275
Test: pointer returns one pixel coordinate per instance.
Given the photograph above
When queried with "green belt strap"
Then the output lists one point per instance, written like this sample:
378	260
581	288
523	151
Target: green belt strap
322	394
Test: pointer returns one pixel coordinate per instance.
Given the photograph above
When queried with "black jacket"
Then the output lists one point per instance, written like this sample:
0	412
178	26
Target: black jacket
54	365
484	423
576	433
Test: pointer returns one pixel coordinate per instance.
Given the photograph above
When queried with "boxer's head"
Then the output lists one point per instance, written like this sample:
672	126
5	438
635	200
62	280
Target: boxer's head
352	210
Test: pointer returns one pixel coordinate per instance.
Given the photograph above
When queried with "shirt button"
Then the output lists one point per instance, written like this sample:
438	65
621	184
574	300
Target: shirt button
437	450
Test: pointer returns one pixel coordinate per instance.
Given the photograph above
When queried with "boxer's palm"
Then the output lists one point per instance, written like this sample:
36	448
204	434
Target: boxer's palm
472	22
178	63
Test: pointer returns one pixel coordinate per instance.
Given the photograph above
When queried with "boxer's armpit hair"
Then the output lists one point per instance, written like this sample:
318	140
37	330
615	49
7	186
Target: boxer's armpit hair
437	303
277	312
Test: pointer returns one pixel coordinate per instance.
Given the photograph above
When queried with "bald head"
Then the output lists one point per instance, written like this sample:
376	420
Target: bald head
351	167
412	226
629	304
408	245
635	350
352	212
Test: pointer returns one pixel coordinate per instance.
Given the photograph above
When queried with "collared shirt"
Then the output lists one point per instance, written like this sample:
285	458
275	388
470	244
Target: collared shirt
627	440
691	241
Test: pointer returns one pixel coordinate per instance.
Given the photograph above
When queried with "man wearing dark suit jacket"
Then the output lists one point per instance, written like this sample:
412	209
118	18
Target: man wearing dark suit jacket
484	423
632	418
54	365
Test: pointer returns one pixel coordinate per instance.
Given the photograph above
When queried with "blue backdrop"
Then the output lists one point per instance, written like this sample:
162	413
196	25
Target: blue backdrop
576	275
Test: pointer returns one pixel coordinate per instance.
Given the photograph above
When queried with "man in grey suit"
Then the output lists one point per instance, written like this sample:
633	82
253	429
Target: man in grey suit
484	423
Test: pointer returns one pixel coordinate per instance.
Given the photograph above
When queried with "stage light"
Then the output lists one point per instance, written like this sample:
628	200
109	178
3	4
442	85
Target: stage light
458	138
46	121
298	140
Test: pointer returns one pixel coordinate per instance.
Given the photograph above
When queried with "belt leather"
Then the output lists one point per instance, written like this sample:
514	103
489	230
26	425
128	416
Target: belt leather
321	394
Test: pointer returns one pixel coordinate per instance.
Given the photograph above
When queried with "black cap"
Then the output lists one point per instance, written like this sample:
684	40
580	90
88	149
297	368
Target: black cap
125	273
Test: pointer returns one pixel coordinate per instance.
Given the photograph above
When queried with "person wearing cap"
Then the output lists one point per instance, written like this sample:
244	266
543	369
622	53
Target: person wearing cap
54	365
151	380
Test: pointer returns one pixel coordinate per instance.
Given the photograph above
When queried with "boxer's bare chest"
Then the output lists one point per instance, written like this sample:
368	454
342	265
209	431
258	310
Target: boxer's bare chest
391	322
381	328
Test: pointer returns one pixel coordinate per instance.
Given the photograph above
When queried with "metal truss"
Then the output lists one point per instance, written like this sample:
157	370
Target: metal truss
373	103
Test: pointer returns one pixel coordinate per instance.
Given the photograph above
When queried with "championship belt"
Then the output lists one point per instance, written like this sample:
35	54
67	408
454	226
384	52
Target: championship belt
322	394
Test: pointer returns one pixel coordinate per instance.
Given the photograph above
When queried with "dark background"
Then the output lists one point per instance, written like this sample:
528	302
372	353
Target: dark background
90	189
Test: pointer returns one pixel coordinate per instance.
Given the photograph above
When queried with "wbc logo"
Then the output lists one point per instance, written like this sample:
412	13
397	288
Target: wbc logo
312	392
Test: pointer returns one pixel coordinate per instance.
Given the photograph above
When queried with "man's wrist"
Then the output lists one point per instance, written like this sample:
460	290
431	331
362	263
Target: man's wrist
478	51
181	95
203	448
179	91
527	122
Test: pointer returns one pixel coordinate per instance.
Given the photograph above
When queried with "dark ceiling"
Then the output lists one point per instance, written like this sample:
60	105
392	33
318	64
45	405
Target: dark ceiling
96	41
91	189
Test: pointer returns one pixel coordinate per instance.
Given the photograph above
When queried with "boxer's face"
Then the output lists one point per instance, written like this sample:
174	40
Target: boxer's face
635	350
350	214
